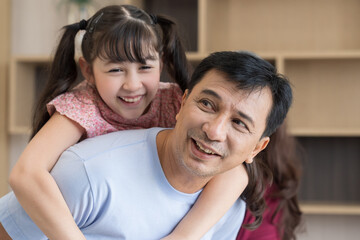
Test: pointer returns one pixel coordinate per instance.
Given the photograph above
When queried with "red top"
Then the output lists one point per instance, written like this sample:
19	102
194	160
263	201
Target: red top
268	229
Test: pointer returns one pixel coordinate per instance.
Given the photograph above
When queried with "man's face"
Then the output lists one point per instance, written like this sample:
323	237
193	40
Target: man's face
219	126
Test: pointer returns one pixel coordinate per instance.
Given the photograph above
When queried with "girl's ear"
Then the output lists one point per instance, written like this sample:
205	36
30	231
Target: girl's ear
86	70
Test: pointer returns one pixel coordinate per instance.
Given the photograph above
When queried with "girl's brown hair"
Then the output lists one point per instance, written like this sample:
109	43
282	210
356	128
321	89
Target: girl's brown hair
115	33
281	160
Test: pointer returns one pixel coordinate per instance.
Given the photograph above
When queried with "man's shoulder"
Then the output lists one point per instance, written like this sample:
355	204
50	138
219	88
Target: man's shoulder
95	146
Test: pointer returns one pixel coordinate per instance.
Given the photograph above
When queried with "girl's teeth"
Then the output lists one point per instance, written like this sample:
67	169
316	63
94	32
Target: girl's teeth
204	150
131	100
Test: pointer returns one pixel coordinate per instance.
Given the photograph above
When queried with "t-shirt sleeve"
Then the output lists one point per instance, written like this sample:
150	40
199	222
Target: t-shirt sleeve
15	220
71	177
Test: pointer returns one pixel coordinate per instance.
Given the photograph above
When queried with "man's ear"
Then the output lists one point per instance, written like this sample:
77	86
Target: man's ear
182	102
261	145
86	69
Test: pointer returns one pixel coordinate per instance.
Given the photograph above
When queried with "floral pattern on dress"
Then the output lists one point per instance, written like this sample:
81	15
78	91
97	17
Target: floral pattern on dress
84	106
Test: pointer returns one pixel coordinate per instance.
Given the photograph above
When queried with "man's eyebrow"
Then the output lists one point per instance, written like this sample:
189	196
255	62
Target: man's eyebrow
240	113
211	92
247	117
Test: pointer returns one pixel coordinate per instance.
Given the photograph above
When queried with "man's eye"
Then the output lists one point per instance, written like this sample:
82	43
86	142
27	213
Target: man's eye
205	103
240	123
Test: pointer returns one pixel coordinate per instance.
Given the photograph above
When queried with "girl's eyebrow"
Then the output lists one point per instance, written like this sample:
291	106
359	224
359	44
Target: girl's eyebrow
150	58
153	58
106	63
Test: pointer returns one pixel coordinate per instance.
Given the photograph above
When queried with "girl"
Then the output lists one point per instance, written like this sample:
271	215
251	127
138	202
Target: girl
124	50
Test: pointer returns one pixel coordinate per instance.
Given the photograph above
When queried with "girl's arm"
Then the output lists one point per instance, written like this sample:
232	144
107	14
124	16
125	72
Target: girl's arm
35	188
215	200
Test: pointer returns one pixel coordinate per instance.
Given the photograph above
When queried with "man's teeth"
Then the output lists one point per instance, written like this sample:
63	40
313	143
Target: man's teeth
131	100
204	150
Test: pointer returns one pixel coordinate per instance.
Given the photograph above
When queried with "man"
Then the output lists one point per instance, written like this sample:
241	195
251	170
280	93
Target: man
139	184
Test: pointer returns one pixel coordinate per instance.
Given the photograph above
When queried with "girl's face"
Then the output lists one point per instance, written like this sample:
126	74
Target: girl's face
127	87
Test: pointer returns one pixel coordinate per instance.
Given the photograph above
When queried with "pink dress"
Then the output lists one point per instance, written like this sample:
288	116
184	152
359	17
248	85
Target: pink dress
84	106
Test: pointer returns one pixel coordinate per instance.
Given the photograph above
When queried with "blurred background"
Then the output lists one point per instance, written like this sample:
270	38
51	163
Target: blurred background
315	43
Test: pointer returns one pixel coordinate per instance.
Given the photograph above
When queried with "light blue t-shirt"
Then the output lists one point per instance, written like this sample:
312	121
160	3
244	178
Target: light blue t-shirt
115	188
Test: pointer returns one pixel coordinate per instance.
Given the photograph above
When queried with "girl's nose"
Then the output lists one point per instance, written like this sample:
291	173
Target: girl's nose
216	129
132	82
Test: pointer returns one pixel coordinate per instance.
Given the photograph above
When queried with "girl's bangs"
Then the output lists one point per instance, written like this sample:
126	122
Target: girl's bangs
134	42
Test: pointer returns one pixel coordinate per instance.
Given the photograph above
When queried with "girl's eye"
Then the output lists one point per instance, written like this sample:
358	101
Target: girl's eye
115	70
145	67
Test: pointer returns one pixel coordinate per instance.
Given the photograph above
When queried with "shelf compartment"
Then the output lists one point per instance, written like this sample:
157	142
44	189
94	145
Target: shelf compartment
326	96
24	74
330	170
185	13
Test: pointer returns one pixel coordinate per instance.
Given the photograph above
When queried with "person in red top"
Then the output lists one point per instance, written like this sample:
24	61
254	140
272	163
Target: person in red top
282	215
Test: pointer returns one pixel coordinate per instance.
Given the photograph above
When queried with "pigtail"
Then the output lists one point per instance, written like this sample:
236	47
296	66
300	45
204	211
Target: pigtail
284	155
173	52
253	194
63	74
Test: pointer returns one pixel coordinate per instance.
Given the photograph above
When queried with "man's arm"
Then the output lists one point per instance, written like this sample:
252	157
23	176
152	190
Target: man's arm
3	234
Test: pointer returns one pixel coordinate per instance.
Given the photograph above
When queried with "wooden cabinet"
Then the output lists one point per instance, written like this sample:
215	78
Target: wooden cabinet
315	43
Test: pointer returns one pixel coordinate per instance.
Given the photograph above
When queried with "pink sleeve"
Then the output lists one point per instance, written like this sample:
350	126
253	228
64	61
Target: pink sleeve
268	229
81	106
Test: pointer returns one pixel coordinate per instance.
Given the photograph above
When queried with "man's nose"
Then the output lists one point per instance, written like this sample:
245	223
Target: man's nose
132	82
216	128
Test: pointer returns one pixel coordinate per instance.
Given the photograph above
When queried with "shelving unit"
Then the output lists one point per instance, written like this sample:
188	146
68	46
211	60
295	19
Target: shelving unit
24	71
316	44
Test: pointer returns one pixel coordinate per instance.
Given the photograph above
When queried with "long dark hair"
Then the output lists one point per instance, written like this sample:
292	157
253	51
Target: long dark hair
115	33
283	157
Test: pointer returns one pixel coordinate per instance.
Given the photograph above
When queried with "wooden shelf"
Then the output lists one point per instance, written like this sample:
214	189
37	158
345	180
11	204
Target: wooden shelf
281	25
330	209
23	71
326	95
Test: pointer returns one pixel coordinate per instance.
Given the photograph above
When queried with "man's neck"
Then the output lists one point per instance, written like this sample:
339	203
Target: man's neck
177	175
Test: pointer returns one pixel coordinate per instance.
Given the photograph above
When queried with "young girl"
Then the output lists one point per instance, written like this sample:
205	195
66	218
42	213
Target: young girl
124	50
